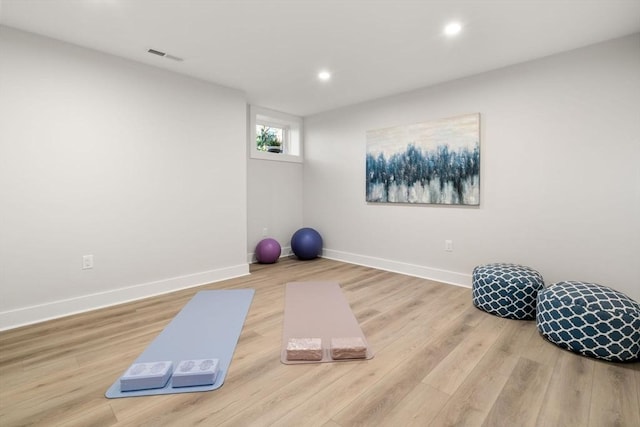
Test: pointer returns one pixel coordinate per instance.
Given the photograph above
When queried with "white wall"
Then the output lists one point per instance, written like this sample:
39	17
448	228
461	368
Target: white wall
560	177
274	184
274	202
147	171
142	168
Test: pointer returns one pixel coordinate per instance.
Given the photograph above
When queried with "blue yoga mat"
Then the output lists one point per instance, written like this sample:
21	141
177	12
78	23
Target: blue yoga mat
208	326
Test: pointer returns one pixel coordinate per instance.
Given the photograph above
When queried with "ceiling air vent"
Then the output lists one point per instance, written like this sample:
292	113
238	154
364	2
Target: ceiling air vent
156	52
165	55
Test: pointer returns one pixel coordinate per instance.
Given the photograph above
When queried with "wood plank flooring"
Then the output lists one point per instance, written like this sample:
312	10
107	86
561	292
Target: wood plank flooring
438	361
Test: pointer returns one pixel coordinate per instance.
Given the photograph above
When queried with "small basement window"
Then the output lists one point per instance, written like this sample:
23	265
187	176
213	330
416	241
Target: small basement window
270	138
274	135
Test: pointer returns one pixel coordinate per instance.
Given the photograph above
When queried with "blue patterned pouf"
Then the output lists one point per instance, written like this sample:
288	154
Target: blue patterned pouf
506	290
590	319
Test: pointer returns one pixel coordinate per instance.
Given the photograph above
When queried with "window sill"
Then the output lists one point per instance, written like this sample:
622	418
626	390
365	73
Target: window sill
276	157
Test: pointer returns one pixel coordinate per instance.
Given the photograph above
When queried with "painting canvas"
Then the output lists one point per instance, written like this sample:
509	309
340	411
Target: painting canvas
435	162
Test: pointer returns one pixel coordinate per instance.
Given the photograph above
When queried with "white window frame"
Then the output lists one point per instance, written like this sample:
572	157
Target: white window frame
292	134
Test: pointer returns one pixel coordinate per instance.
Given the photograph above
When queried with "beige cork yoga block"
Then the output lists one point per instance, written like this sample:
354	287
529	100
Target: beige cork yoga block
304	349
348	348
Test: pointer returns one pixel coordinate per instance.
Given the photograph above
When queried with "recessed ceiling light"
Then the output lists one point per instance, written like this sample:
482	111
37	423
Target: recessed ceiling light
452	28
324	75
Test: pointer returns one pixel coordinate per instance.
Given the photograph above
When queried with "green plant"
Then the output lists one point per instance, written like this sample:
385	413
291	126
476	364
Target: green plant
267	137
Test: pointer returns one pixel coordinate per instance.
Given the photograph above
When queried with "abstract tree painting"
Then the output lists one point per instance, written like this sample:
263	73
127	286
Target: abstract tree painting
435	162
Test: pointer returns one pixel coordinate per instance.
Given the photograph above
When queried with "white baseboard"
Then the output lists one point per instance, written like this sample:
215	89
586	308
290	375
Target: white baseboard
286	251
39	313
445	276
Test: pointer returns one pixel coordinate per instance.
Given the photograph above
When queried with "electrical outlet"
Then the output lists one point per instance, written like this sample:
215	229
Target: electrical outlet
265	231
448	245
87	262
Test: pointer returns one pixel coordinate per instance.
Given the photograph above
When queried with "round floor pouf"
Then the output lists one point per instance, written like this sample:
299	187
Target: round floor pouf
590	319
506	290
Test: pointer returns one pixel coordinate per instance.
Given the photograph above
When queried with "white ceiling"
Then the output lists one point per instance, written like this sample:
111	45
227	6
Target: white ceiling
273	49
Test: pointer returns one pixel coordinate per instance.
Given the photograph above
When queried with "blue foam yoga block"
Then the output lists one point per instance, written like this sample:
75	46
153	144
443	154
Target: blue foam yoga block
144	376
191	373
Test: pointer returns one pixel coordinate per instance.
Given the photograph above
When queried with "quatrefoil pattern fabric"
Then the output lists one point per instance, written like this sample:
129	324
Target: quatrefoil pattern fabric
506	290
590	319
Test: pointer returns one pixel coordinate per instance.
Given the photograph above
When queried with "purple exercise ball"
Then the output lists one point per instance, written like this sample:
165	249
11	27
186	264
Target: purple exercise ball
268	251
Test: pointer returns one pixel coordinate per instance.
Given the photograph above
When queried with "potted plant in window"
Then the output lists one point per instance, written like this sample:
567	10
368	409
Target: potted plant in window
267	140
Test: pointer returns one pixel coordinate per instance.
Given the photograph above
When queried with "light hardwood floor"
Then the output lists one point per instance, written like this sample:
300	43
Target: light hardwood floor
438	361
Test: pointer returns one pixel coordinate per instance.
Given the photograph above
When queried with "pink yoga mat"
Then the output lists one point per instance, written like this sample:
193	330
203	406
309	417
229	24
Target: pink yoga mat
318	310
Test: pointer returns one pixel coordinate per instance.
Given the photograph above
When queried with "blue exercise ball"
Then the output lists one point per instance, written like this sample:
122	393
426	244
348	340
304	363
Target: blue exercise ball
268	251
306	243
